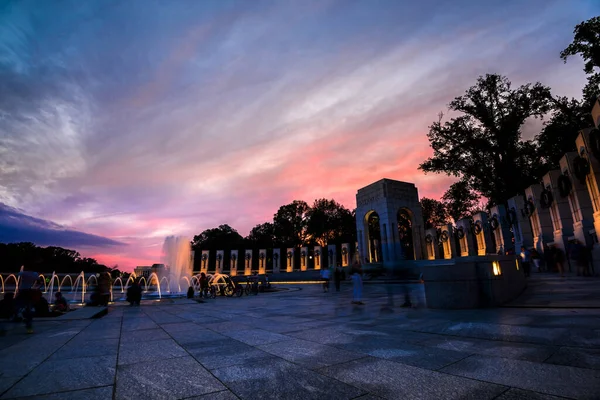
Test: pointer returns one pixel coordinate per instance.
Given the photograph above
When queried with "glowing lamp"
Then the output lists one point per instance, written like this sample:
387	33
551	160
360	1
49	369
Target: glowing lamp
517	263
496	268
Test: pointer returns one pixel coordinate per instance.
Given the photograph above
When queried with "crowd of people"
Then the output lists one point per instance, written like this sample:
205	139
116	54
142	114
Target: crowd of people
554	259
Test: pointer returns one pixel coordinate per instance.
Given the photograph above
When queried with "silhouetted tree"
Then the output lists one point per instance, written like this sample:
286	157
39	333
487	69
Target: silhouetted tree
483	145
586	43
434	212
222	238
460	200
290	223
328	222
262	235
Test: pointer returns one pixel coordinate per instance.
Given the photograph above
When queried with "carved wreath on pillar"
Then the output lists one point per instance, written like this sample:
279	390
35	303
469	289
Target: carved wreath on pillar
444	236
275	256
512	217
595	143
564	185
233	257
204	257
330	253
303	254
289	254
317	253
460	233
429	238
248	256
261	256
477	228
344	251
494	224
219	257
529	208
581	168
546	198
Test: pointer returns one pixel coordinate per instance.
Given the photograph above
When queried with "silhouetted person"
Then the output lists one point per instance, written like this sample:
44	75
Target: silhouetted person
357	284
60	303
134	294
525	260
25	296
337	277
203	285
190	293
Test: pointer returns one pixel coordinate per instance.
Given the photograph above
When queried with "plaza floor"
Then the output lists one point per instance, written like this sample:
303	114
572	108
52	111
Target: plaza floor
305	344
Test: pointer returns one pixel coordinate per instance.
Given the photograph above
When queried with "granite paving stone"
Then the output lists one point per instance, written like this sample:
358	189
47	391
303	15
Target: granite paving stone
256	336
180	327
576	357
393	380
309	354
279	379
135	324
65	375
132	352
224	395
99	393
197	338
144	335
519	394
74	349
226	353
175	378
556	380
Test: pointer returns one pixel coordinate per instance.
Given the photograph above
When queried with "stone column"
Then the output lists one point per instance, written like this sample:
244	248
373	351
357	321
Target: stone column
447	241
276	261
303	258
318	256
541	222
233	262
219	262
289	260
248	262
464	236
519	221
575	192
332	255
431	244
560	211
500	228
345	254
262	261
204	261
483	235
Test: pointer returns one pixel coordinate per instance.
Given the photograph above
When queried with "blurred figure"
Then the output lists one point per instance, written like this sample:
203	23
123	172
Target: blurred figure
104	285
134	293
25	293
60	303
203	285
559	260
190	293
357	284
325	275
337	277
525	261
581	256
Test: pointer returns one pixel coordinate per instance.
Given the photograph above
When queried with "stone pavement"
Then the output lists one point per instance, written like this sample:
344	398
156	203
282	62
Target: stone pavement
305	344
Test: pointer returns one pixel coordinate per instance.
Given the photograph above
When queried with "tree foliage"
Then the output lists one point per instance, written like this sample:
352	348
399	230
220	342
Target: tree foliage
483	145
222	238
290	223
434	213
262	235
329	222
460	200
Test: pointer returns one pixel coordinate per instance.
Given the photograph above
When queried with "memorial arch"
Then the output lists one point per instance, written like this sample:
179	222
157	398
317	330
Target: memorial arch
389	223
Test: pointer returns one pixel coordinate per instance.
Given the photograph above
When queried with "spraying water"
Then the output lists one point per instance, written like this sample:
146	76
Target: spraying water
177	257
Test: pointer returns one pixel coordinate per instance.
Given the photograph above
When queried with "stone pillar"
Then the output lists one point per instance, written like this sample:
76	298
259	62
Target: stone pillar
541	222
447	241
303	258
289	260
318	256
262	261
519	221
464	237
346	254
483	235
248	262
233	262
575	192
219	262
431	244
204	261
332	255
560	211
276	261
500	228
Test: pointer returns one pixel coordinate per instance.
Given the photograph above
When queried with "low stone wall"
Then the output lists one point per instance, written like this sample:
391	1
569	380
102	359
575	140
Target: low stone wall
470	282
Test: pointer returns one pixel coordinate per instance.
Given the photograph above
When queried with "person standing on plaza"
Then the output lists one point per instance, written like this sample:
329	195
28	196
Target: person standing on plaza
337	277
559	260
325	275
357	284
525	260
24	298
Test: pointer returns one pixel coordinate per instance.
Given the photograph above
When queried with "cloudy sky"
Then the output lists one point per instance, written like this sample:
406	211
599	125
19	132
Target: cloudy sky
124	121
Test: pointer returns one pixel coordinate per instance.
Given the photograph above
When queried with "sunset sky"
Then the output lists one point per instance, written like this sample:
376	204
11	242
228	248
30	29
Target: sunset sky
124	121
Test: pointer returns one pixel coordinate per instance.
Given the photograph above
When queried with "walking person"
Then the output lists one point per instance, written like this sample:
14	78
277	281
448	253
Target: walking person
559	260
525	261
24	298
325	275
357	284
337	277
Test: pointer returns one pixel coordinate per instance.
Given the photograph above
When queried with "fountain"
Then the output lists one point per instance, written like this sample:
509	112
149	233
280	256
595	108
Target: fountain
177	257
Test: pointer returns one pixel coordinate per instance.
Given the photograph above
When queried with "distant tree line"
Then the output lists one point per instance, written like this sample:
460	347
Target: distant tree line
47	259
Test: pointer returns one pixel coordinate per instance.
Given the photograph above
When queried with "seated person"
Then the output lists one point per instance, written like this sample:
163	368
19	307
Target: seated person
7	306
60	303
41	306
134	294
